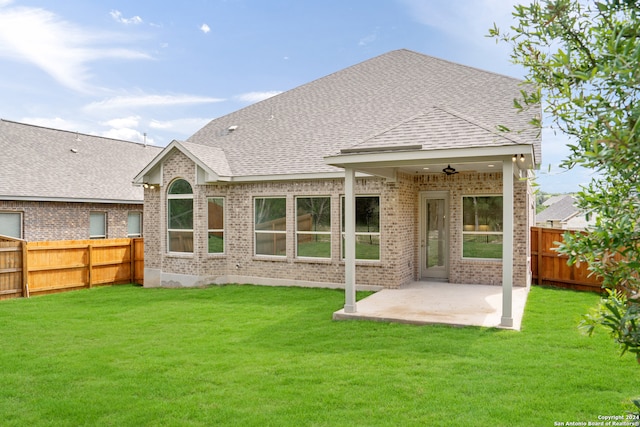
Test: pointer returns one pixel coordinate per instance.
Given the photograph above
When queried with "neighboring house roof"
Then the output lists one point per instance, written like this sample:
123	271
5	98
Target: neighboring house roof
401	98
46	164
562	210
553	199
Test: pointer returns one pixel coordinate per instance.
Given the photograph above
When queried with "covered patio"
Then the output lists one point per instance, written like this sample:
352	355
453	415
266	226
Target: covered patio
424	303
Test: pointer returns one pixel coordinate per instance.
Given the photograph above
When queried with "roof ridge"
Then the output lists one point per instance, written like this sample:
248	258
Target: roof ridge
288	92
78	133
459	64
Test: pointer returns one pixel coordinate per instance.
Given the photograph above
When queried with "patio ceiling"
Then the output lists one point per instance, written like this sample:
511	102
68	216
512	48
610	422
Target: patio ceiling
413	159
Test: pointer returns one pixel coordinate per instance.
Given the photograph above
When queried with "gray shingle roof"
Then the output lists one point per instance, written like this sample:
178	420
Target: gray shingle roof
439	128
40	163
561	210
402	90
213	157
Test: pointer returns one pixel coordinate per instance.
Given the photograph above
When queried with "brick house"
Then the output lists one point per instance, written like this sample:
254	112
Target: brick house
381	174
61	185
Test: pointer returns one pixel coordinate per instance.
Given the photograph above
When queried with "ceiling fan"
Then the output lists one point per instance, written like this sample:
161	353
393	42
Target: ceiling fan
449	170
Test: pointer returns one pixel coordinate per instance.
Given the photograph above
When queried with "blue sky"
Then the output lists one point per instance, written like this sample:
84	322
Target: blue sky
125	68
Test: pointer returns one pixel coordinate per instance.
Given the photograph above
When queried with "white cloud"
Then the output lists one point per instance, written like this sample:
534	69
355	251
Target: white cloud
5	2
257	96
117	16
369	38
138	101
205	28
186	126
61	49
126	134
123	122
53	123
468	19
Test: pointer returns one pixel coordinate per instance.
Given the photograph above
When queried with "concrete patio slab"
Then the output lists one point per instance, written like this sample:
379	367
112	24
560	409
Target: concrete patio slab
424	303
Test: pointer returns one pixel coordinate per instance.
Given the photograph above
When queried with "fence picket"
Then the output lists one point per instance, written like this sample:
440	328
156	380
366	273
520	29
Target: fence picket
551	267
55	266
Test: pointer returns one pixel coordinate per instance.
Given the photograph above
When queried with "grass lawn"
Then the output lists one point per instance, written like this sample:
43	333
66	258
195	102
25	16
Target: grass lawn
263	356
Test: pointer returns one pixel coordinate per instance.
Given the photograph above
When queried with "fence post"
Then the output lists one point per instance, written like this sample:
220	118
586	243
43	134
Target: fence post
90	250
25	270
540	257
132	256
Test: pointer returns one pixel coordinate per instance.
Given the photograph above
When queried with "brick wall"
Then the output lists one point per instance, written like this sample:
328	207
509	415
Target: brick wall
399	223
483	272
68	220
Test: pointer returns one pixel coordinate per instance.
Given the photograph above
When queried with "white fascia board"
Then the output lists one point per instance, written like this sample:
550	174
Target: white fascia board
293	177
408	158
151	173
157	160
206	175
71	200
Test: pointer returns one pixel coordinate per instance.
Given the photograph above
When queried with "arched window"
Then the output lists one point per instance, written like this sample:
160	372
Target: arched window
180	217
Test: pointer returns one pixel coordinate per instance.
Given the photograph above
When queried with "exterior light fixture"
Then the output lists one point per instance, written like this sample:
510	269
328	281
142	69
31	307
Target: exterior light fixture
514	158
521	158
449	170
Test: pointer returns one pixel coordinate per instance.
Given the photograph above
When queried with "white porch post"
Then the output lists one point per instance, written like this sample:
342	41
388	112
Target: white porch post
507	243
349	241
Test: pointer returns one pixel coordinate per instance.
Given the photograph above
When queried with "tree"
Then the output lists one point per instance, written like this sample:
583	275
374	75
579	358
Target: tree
582	58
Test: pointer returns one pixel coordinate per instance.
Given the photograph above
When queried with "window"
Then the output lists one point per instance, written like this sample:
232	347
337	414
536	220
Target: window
215	215
313	227
98	225
270	226
180	216
11	224
482	227
367	227
134	224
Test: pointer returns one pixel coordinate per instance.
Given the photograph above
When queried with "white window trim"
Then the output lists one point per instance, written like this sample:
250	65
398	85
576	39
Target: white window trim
363	233
21	228
104	219
256	232
183	230
478	233
134	234
215	230
312	233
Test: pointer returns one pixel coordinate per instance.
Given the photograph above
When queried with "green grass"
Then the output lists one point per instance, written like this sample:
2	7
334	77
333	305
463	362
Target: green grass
263	356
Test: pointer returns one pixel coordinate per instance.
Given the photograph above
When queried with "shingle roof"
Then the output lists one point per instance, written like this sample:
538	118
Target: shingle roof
213	157
40	163
293	131
439	128
561	210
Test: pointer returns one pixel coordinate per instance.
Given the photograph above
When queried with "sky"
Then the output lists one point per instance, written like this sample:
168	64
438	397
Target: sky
155	71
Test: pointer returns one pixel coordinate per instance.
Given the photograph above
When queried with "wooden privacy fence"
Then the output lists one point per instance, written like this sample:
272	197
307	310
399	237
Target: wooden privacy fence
54	266
550	268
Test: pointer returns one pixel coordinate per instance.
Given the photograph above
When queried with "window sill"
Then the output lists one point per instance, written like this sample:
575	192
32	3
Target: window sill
370	262
216	255
269	258
311	260
179	254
